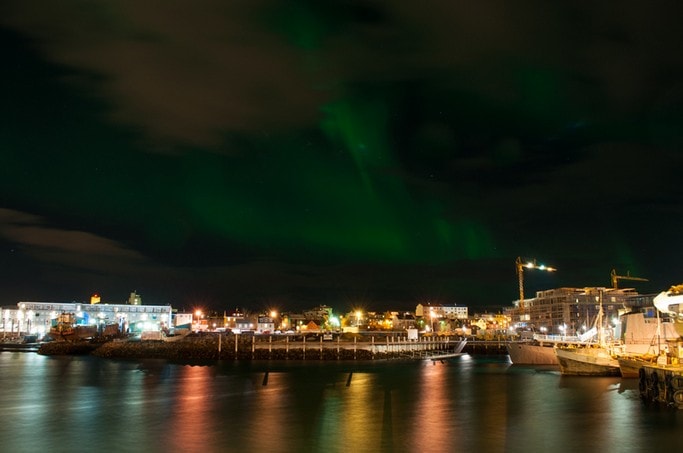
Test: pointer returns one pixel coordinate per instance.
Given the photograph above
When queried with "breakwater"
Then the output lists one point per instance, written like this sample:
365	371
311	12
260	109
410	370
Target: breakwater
245	347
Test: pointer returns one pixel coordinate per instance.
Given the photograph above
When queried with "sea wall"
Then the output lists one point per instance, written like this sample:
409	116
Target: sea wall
231	347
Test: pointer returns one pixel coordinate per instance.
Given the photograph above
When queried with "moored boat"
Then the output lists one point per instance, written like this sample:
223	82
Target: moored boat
531	353
662	381
590	360
587	361
540	349
630	364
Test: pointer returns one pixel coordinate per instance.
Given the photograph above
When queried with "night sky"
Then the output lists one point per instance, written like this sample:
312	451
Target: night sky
354	154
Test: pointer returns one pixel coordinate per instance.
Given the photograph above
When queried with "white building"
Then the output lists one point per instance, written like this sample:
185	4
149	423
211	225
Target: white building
442	311
38	317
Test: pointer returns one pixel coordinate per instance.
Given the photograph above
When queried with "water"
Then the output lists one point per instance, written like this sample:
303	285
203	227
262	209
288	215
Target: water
470	404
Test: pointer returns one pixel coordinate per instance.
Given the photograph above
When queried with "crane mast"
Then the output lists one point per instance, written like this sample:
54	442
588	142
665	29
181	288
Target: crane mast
520	265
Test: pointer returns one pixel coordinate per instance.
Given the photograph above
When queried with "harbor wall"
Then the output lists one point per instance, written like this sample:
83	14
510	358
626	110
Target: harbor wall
238	347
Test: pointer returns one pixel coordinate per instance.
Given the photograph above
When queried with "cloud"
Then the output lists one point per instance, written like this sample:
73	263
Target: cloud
201	70
66	248
187	76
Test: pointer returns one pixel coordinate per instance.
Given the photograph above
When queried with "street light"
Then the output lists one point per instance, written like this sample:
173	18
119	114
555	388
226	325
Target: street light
273	317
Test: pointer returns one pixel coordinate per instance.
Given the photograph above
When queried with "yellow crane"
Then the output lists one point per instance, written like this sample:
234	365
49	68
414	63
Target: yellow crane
520	266
616	278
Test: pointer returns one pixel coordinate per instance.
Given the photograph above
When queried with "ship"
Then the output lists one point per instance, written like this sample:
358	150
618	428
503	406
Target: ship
540	350
596	359
592	360
643	342
661	382
630	365
639	338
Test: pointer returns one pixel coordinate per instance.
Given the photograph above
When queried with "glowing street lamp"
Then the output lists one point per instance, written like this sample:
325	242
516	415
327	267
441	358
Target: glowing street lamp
273	317
199	315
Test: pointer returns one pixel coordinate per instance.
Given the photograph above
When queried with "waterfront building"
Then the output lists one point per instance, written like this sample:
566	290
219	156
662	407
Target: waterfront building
442	311
404	321
265	324
320	314
572	311
37	317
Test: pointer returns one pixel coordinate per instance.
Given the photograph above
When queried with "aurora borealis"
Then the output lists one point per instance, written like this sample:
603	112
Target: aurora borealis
339	153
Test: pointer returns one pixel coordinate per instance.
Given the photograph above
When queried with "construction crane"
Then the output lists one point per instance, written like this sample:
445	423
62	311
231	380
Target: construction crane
616	278
520	266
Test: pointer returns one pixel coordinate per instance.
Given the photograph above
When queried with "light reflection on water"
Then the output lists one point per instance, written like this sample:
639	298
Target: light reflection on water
76	404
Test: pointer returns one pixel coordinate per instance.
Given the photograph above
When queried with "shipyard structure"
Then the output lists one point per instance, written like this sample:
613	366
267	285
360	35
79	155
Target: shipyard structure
573	311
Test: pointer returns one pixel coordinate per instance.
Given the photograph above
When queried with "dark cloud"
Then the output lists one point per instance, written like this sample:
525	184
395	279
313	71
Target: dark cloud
337	151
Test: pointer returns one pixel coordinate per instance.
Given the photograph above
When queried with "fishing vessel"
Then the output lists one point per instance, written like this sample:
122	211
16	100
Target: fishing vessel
638	337
592	360
596	359
662	382
630	364
644	340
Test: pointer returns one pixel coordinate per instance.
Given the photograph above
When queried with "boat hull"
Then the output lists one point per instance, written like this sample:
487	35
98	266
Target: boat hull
588	361
526	353
630	366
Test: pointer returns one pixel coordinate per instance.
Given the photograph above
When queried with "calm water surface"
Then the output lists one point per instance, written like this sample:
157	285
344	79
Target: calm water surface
470	404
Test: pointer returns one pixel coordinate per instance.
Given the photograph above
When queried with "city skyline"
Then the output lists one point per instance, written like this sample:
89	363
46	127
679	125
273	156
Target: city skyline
347	154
